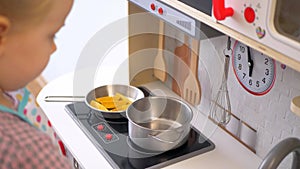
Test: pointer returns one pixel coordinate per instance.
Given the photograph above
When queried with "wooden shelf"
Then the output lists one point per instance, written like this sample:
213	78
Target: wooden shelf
250	42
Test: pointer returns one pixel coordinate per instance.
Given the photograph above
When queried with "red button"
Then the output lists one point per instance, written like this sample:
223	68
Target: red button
152	6
100	127
249	15
108	136
160	11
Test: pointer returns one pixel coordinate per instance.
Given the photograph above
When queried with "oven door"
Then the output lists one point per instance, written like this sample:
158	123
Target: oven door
285	24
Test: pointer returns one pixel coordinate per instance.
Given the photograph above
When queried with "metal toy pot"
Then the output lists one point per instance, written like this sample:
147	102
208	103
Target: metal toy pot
158	123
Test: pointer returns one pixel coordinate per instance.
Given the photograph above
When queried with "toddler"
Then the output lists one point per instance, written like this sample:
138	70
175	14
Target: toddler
27	31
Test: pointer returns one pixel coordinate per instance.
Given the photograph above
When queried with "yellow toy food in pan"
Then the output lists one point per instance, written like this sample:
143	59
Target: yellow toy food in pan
97	105
118	102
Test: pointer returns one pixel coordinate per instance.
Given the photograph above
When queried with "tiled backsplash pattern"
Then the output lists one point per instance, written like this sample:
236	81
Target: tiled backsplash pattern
269	114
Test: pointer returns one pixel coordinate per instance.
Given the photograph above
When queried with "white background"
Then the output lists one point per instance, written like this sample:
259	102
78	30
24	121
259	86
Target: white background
86	18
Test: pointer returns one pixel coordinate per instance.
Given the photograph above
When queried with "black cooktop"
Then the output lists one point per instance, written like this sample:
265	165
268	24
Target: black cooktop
111	139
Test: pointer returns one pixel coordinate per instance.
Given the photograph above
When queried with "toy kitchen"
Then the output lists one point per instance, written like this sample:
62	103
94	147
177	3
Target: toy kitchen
236	63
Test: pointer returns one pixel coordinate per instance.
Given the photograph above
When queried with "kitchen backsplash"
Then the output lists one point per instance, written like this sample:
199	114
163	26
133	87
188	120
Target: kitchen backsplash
268	114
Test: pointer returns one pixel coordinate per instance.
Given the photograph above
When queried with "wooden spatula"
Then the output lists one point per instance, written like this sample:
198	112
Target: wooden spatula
191	86
159	60
180	71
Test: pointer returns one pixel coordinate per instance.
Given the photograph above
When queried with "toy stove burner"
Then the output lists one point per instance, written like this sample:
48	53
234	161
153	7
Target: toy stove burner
110	137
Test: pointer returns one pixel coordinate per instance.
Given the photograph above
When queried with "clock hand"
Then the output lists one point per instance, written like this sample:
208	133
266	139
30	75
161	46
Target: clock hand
250	62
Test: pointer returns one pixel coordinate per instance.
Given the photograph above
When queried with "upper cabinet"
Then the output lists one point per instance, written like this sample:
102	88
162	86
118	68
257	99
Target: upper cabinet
269	26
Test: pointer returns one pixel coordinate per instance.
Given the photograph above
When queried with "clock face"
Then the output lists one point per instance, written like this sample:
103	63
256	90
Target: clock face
254	70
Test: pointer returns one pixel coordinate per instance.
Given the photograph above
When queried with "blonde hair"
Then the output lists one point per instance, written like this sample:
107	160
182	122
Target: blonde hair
24	12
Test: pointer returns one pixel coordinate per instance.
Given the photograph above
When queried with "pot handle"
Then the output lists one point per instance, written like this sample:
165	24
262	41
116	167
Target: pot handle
179	133
64	99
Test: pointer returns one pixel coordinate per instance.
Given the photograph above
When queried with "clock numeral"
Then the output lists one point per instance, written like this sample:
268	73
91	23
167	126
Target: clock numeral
257	83
239	57
250	82
242	49
244	75
264	80
267	72
266	61
240	67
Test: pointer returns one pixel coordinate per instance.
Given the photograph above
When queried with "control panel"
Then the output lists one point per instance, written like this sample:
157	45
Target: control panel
170	15
105	132
256	19
247	17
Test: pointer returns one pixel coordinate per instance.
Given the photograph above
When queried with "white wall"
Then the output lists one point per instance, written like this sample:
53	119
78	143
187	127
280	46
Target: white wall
270	114
86	18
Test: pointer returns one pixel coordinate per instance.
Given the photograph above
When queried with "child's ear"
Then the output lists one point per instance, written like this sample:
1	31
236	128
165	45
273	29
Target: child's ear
4	25
4	28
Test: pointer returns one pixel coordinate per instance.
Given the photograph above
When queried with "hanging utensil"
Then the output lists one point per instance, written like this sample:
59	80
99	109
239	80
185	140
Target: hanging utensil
221	107
180	70
191	86
159	60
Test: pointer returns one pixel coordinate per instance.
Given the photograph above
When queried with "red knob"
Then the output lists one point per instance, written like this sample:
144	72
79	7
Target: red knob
152	6
100	127
220	12
108	136
160	11
249	15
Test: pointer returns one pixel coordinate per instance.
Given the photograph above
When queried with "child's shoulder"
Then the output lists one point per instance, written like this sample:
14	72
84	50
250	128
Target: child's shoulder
23	145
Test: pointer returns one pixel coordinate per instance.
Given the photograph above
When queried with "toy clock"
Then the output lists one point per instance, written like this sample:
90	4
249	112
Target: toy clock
255	71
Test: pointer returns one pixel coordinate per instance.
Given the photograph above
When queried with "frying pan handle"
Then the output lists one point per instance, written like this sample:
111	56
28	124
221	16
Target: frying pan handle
178	132
64	99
